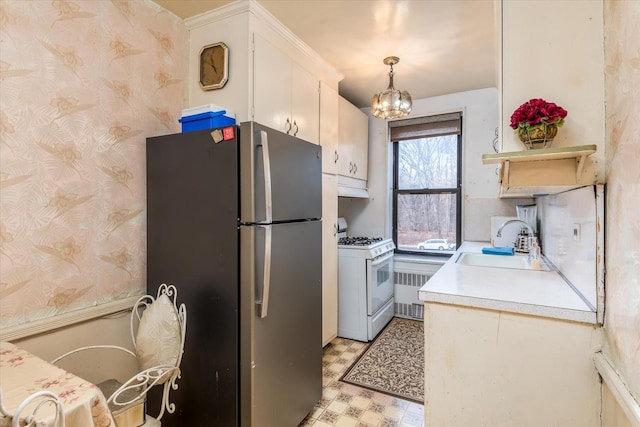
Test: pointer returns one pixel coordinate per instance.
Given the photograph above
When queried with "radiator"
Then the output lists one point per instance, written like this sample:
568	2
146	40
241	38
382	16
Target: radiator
407	285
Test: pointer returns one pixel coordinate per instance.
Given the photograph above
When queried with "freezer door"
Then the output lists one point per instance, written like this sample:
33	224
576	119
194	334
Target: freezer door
282	344
280	176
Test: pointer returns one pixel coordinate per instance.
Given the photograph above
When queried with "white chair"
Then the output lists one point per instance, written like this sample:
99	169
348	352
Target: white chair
159	345
42	398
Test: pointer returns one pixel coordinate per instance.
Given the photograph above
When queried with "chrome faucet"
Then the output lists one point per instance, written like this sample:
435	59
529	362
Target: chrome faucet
532	235
529	229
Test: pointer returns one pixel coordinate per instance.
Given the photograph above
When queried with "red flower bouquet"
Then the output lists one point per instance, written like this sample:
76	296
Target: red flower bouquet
536	111
537	121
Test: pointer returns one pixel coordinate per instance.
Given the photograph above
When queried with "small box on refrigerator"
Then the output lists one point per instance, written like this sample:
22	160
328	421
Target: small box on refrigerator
206	117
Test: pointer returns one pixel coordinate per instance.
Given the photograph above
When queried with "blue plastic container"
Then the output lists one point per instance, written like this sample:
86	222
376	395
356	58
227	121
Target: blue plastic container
208	120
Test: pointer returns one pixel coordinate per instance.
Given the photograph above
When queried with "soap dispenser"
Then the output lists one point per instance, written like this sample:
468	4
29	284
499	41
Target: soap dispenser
534	255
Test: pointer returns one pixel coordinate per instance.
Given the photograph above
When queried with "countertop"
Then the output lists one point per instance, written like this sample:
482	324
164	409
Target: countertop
538	293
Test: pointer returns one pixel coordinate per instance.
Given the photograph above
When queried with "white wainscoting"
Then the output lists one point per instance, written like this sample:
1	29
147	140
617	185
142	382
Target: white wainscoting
41	326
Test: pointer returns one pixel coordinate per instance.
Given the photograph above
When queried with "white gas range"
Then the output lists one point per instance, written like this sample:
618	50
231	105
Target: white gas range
365	286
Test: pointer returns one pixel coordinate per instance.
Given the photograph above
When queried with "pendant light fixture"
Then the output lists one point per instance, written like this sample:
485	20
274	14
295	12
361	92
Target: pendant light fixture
391	103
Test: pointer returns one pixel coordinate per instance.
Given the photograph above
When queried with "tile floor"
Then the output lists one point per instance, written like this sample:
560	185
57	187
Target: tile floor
347	405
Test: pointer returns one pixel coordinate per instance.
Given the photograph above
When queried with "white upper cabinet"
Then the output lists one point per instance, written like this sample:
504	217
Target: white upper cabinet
569	73
273	76
286	96
329	101
272	85
353	141
305	104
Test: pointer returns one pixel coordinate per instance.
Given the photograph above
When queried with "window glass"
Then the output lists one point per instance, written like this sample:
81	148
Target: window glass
428	163
426	222
427	193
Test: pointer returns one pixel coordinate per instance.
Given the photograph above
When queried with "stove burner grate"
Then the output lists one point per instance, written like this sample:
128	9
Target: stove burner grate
358	241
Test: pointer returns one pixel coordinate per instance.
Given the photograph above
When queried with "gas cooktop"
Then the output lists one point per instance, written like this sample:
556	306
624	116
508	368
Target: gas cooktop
358	241
367	247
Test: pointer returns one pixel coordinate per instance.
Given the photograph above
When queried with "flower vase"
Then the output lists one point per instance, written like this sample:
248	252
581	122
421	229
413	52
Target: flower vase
537	136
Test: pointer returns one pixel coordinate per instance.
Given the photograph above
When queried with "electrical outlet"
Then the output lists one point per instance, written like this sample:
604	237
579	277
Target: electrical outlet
576	232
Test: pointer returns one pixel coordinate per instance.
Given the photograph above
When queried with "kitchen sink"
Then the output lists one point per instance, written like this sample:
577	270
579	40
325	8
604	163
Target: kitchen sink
519	262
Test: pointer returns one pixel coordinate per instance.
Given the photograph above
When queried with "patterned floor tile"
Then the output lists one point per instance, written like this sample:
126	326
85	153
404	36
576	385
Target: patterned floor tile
347	405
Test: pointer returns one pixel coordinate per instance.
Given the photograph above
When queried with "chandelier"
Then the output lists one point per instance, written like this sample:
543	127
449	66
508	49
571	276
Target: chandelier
391	103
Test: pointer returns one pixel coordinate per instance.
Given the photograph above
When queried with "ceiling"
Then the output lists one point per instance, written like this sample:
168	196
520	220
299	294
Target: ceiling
444	46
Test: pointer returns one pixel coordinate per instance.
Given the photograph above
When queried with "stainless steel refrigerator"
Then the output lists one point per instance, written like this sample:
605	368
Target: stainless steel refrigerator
234	221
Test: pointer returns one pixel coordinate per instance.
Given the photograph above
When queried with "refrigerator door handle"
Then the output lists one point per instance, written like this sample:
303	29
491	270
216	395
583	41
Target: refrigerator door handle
266	162
262	304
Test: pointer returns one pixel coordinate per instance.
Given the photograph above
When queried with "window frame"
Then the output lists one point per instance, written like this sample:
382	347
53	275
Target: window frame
427	191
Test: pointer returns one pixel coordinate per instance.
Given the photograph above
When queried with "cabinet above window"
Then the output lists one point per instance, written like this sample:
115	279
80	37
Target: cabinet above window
543	171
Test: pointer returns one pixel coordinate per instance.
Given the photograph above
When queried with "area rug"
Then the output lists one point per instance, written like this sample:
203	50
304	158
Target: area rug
394	362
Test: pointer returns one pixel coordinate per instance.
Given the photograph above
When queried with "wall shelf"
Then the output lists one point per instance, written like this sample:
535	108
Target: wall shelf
543	171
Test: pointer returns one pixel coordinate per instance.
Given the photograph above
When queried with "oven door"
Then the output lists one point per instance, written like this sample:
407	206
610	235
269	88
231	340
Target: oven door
379	282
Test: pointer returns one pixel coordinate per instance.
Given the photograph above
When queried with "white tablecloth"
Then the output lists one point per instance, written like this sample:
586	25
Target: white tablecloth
22	373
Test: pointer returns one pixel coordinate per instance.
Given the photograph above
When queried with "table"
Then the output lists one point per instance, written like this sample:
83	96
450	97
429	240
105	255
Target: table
22	373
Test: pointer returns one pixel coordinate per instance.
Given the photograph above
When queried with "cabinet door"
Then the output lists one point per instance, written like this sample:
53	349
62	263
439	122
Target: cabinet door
305	104
272	85
508	369
345	139
329	258
360	123
353	141
329	128
285	95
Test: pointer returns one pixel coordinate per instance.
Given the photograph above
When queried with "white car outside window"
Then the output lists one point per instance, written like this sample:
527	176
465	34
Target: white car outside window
434	244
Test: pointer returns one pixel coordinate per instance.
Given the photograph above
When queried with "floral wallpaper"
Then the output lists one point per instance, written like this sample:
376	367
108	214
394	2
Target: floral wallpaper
82	85
622	92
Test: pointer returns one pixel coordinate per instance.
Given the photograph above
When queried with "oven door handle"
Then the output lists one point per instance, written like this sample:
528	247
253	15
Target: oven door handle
377	262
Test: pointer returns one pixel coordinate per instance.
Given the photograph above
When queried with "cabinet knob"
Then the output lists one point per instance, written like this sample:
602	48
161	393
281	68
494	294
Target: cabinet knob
350	167
335	229
295	127
355	168
288	126
335	156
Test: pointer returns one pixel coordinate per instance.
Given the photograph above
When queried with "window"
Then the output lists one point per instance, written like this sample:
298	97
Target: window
426	183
